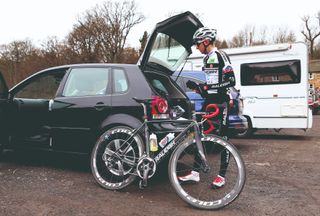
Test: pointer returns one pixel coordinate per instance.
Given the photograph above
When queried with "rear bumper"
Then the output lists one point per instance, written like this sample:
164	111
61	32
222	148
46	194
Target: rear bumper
237	122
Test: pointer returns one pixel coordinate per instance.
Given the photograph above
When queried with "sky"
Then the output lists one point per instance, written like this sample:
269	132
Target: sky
37	20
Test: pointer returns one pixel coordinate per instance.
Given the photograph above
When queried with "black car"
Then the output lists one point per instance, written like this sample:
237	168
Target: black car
66	108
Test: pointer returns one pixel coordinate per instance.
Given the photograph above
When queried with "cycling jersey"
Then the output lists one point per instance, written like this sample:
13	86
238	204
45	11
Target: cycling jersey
219	75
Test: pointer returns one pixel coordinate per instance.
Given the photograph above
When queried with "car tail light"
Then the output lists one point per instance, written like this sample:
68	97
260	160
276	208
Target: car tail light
231	103
159	108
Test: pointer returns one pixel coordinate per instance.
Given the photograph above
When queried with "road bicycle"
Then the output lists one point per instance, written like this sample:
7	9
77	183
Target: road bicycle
121	155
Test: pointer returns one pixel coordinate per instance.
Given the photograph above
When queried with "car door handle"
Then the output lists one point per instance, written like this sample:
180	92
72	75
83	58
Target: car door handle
100	106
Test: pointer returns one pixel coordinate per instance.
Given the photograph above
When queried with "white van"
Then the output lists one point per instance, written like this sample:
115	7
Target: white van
273	81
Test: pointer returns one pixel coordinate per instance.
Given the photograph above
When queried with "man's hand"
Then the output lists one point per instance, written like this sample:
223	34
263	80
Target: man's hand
192	85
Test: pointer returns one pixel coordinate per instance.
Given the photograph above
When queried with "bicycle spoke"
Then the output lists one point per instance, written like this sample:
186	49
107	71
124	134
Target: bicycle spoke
117	144
120	168
129	161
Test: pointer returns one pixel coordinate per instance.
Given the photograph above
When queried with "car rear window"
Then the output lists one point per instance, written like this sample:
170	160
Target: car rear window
120	81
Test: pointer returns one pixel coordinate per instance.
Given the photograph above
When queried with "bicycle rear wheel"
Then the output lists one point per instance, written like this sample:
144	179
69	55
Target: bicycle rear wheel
202	194
115	156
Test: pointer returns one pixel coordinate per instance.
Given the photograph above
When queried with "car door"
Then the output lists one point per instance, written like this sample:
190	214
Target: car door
3	106
82	102
29	109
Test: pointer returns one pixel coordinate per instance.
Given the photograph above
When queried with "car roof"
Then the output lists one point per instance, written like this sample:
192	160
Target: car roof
90	65
77	66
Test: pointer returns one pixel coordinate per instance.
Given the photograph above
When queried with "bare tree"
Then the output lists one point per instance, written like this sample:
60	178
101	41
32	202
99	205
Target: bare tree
143	42
101	35
311	31
221	44
252	36
130	56
237	40
283	35
260	38
14	57
244	37
120	17
316	53
53	52
84	41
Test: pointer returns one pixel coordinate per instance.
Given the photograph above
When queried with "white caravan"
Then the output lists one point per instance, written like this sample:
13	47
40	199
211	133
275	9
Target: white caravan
273	82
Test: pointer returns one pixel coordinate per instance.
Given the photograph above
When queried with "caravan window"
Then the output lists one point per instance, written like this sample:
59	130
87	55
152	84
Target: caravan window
264	73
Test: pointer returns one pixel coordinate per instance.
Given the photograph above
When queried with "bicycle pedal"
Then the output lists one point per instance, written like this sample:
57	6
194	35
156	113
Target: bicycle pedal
142	185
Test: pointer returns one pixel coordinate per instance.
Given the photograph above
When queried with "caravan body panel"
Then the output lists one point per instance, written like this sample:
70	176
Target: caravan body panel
273	81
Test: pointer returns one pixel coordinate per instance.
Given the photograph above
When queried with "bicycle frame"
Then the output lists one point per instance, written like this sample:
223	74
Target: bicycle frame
193	125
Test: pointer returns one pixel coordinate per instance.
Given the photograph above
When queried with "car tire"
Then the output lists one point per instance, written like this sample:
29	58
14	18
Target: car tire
1	150
245	132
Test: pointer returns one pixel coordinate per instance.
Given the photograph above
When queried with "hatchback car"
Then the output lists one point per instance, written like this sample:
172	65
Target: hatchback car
237	122
66	108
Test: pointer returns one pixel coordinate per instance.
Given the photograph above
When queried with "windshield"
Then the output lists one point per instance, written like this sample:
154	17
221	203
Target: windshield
167	52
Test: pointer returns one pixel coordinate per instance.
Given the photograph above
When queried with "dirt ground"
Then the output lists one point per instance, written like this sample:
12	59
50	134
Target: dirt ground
283	178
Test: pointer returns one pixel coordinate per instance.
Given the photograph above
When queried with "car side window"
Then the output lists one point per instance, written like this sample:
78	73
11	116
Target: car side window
179	81
159	86
120	81
42	86
86	82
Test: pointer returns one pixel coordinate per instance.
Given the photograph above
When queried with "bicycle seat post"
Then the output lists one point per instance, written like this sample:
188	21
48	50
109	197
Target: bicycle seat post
145	117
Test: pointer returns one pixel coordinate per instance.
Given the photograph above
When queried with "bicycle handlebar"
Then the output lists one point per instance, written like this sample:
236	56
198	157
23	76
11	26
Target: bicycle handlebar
211	114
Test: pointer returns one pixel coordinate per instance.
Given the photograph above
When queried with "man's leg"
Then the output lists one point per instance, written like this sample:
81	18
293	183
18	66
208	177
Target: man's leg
225	154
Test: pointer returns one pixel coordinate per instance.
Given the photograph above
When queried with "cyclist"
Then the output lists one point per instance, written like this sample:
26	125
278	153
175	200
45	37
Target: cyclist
219	76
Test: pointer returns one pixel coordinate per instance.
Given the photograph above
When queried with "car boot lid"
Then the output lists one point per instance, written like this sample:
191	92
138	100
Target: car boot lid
170	43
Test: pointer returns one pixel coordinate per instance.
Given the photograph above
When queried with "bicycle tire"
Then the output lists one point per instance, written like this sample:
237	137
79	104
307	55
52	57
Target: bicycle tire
114	161
201	194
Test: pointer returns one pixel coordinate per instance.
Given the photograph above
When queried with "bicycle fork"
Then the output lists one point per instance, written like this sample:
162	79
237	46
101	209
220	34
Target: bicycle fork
204	165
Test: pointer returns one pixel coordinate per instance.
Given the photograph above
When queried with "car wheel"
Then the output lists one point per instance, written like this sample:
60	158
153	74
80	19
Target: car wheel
245	132
1	150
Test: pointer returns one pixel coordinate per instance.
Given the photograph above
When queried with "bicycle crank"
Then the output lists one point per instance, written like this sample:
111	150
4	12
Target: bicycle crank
146	168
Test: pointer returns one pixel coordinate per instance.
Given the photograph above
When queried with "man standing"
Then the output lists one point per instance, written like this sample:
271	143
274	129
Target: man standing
219	76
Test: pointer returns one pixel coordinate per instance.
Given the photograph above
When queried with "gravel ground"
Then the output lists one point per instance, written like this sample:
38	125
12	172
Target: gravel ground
283	178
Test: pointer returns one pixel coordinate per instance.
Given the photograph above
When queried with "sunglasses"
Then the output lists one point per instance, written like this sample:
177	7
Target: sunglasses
198	43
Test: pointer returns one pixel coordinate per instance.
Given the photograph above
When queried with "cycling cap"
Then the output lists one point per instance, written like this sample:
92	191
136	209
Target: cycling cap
204	33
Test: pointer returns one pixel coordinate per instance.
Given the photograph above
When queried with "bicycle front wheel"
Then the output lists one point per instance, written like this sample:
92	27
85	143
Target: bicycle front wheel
199	191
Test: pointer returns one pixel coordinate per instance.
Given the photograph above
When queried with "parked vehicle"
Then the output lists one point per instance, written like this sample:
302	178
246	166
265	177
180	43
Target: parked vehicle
237	122
67	108
273	81
314	102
